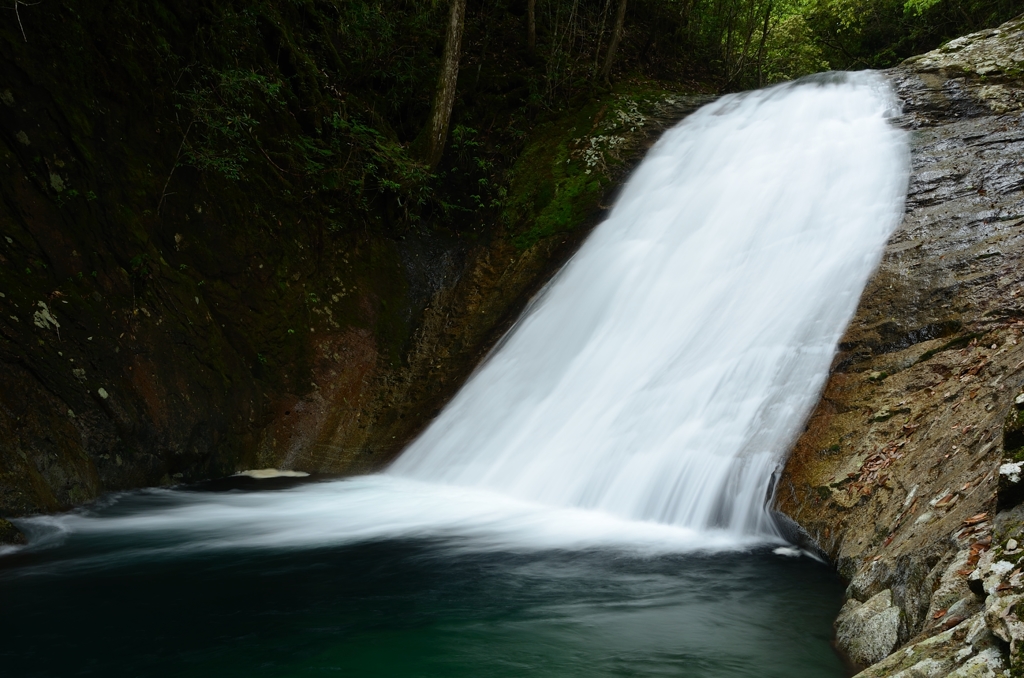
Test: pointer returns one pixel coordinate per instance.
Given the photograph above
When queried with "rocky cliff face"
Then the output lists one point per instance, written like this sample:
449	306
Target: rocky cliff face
907	472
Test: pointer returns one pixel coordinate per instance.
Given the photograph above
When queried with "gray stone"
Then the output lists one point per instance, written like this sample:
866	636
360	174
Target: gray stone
986	664
868	631
1001	618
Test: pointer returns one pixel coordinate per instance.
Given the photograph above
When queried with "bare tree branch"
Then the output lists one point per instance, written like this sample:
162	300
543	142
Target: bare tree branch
17	14
177	158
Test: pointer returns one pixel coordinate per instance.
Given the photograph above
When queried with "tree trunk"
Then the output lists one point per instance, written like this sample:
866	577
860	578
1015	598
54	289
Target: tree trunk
432	138
620	18
531	26
600	35
764	42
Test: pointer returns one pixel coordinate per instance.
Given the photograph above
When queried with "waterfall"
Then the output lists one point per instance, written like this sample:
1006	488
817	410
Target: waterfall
667	369
652	389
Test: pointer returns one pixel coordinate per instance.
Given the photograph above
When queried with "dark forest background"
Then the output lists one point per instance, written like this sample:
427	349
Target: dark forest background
362	78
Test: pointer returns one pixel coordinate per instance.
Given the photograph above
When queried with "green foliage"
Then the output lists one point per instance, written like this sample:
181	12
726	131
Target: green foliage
388	53
562	175
747	43
881	33
223	109
919	6
325	117
317	101
373	165
791	51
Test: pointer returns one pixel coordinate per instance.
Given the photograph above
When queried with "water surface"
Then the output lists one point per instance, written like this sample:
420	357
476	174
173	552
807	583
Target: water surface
106	600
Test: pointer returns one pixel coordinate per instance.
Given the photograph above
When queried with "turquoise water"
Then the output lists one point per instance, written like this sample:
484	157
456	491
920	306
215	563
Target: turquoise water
109	603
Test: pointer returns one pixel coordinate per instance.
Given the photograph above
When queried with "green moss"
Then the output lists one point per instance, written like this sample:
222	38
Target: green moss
562	176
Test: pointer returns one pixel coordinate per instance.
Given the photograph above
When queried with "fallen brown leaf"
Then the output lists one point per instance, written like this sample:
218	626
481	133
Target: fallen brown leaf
975	519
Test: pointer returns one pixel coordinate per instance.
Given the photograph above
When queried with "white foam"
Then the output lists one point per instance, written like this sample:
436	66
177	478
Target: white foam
367	509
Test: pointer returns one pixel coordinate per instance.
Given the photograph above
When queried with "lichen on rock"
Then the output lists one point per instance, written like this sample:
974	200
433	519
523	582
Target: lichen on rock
868	631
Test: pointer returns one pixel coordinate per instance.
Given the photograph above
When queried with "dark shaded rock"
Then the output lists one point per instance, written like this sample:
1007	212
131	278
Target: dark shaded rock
1010	490
9	534
795	534
1013	428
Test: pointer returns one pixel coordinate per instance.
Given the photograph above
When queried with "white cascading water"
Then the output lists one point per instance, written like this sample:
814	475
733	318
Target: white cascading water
651	391
668	368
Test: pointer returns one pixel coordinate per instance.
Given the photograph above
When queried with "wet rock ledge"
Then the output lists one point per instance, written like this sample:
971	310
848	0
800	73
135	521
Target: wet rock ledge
909	472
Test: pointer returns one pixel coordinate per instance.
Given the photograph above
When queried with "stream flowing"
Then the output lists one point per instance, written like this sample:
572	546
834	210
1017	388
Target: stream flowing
592	502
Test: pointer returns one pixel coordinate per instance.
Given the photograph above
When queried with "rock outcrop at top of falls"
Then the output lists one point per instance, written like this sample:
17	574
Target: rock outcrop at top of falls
907	474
